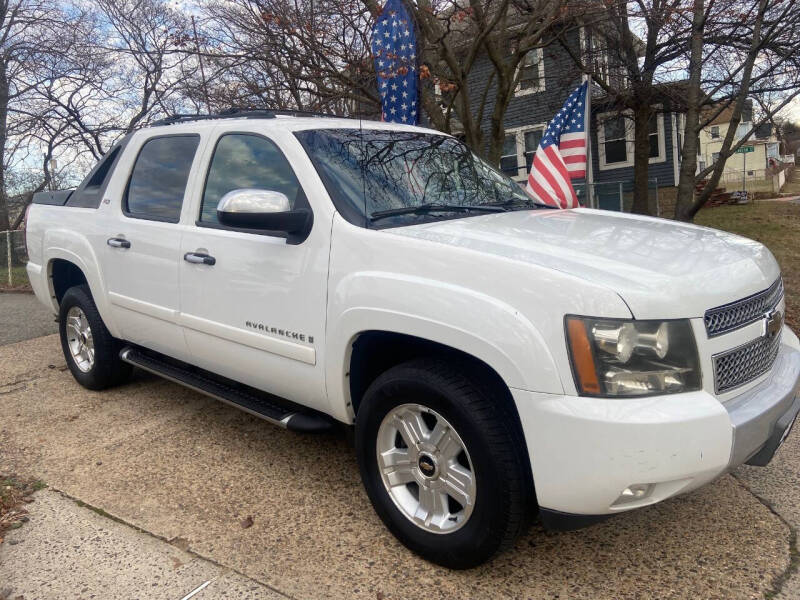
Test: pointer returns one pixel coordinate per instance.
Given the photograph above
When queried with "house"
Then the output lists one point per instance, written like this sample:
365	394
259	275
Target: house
548	75
754	164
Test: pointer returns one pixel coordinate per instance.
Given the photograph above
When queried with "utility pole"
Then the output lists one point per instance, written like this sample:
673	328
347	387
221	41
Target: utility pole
202	69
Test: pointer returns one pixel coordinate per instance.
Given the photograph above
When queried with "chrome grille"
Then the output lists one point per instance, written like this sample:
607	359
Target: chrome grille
723	319
743	364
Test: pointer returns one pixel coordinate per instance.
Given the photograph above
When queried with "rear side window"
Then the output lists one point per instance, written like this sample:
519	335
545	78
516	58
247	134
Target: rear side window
246	161
89	193
159	177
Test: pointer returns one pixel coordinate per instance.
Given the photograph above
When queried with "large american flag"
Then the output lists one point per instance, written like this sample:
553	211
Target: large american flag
394	49
561	155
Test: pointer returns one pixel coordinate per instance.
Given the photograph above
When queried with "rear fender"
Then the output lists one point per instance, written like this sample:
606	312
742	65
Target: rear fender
75	248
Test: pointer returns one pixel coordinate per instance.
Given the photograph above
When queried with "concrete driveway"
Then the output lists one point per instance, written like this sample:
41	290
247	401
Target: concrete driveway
23	317
188	470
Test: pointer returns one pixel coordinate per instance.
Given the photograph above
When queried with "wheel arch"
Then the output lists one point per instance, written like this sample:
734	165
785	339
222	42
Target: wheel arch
376	351
64	269
64	274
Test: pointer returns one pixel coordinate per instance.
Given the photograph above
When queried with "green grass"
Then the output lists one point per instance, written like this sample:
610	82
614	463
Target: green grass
777	226
19	278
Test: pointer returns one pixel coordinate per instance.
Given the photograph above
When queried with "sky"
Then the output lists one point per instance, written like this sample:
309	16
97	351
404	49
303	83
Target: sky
792	110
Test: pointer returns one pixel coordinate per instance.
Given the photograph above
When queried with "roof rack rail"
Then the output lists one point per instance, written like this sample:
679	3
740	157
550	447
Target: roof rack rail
238	113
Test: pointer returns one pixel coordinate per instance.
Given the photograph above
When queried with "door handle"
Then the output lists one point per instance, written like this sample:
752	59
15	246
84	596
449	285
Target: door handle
199	259
116	242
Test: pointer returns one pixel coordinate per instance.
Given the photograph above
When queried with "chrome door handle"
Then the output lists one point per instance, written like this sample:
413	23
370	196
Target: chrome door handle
116	242
199	259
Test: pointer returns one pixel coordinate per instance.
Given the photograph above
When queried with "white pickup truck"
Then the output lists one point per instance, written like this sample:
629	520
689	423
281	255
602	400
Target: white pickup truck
496	360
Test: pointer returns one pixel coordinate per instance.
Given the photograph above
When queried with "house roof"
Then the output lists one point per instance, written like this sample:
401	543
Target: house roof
725	114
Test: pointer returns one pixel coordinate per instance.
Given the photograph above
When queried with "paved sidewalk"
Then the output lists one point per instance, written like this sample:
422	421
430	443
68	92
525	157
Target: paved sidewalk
23	317
69	551
778	485
186	468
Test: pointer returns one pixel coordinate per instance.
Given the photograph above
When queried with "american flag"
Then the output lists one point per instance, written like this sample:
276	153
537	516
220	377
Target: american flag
394	48
561	155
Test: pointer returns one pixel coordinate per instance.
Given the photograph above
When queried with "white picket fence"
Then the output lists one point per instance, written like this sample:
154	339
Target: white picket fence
13	258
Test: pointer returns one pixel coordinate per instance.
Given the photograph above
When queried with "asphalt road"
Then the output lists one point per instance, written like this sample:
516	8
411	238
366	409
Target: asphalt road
190	471
23	317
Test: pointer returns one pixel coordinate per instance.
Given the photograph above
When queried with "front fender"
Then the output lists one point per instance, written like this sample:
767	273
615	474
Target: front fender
461	318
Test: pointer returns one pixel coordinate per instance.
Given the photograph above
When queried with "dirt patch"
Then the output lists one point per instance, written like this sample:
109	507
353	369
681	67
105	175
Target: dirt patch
15	494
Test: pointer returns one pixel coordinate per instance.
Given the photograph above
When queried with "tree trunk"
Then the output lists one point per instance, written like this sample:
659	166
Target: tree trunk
684	206
641	159
5	225
736	117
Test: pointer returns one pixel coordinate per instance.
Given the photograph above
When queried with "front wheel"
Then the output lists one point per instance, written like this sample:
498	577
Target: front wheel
439	462
91	352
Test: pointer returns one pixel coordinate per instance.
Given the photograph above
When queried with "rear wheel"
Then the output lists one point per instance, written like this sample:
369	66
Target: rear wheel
91	352
440	464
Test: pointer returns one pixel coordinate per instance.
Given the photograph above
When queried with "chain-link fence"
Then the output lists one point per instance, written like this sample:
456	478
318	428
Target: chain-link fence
617	195
13	258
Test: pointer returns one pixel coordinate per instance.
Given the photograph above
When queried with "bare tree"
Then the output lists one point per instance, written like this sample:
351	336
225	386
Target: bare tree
149	44
315	55
27	33
750	51
457	35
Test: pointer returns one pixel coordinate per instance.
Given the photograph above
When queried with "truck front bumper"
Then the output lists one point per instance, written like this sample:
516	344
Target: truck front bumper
594	457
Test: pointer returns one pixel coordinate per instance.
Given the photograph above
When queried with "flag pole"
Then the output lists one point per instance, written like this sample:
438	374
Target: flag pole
588	116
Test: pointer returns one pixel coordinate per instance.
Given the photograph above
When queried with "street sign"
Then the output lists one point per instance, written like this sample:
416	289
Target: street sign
745	149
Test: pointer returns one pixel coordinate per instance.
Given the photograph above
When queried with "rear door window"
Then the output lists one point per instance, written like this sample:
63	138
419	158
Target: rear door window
158	182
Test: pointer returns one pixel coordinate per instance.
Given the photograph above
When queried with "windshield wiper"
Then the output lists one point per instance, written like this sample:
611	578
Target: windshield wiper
509	204
423	209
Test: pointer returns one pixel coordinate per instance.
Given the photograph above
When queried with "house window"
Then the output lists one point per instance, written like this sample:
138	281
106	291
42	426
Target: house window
615	138
530	75
714	157
654	149
519	147
715	132
532	139
508	160
615	143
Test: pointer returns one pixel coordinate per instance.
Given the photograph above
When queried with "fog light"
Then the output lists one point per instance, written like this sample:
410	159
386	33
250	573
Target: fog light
632	493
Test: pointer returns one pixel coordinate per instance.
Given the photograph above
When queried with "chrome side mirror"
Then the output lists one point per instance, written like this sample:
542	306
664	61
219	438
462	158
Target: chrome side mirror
265	210
253	201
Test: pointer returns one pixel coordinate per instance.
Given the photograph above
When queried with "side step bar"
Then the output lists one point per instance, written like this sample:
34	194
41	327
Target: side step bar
255	402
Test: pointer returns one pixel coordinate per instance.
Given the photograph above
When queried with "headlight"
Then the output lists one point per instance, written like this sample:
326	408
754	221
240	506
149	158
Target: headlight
612	357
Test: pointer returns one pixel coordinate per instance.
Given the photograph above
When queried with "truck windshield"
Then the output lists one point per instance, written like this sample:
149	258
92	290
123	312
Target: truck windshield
383	178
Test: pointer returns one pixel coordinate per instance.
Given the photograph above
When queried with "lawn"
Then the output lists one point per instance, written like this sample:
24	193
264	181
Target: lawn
19	278
774	224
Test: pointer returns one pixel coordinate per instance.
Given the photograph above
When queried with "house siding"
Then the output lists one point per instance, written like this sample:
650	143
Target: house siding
560	76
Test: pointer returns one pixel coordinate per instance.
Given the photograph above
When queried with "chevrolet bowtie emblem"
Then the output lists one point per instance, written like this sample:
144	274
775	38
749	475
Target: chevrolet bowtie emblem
774	322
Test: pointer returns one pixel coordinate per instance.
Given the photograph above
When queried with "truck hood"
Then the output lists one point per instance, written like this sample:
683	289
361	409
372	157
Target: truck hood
662	269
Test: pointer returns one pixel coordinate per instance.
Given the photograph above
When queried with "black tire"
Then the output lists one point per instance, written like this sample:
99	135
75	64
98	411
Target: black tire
499	461
108	370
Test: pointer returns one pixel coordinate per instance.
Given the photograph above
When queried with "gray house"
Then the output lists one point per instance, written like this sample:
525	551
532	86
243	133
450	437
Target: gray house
547	77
